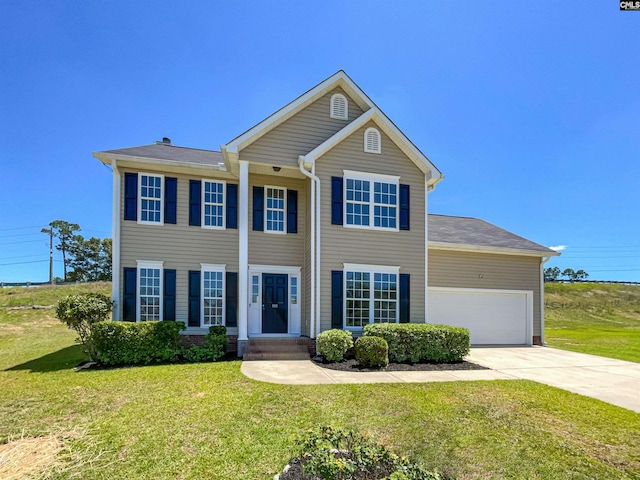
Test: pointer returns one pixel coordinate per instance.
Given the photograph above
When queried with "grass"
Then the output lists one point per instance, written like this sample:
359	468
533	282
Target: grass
209	421
599	319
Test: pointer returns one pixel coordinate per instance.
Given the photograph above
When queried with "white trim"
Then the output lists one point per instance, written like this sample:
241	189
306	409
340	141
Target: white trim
208	267
426	248
154	265
224	204
497	291
266	208
371	270
274	269
377	141
115	249
371	178
139	199
463	247
243	250
361	267
334	98
543	260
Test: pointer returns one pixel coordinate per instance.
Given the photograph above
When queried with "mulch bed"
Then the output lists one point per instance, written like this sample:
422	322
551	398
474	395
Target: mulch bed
350	365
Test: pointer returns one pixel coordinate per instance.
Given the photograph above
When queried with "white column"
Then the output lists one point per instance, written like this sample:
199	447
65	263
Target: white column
115	249
243	257
426	248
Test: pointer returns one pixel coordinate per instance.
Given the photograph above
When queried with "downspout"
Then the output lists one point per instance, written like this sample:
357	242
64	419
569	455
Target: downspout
313	323
543	260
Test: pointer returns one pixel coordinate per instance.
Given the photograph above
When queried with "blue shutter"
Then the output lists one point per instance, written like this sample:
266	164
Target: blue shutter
404	207
232	205
194	298
336	200
195	199
169	296
231	308
130	280
292	211
405	287
131	196
170	199
258	208
336	299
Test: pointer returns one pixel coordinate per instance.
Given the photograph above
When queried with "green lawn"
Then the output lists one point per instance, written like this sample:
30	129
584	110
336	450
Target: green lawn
592	318
209	421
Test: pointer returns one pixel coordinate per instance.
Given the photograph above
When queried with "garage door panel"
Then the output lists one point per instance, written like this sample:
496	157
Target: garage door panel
492	317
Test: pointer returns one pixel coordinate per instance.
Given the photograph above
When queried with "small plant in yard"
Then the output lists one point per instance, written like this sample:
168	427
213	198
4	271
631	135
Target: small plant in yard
213	348
327	453
372	352
333	344
81	312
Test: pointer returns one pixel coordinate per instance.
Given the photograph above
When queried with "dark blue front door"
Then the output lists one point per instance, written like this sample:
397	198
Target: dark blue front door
274	303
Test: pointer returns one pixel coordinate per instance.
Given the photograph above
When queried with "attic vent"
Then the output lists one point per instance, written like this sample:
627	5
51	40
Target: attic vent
165	141
371	140
339	107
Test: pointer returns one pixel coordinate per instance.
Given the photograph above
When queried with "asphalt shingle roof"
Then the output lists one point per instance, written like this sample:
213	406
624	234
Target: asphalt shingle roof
473	231
172	153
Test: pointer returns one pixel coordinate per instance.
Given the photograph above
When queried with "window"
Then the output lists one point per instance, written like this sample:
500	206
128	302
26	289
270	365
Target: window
275	211
150	199
367	301
213	211
294	290
149	291
339	107
212	295
360	203
372	140
255	288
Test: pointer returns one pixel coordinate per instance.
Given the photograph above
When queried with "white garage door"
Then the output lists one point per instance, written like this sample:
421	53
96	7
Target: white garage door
494	317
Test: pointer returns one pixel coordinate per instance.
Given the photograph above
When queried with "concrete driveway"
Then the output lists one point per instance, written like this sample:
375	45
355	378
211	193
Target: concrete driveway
607	379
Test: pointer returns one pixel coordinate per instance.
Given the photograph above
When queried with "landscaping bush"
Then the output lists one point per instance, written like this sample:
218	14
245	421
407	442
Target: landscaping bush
333	344
425	342
213	348
81	312
372	352
334	454
142	343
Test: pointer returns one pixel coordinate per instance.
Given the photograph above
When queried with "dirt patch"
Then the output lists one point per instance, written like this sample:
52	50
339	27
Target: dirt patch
350	365
29	456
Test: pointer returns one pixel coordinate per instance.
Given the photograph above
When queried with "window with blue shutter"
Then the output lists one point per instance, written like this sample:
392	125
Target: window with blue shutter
232	205
131	196
336	200
258	208
336	299
169	300
404	207
170	199
130	280
292	211
194	298
405	288
195	199
231	299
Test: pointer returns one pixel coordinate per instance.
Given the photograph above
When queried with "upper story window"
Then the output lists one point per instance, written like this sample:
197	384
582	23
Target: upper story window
149	291
275	211
150	199
213	211
339	107
372	140
371	201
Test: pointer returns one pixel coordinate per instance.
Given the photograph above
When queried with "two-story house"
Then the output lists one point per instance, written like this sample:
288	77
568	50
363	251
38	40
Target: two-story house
315	218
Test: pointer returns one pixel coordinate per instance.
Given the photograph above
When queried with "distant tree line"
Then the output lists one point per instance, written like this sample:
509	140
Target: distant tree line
554	274
84	259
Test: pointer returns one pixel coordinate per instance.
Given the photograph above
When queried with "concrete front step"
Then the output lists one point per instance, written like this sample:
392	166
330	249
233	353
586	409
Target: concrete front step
277	349
275	356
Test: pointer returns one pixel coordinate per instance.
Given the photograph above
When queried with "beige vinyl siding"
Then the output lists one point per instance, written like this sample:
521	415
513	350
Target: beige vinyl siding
182	247
300	134
282	249
483	270
350	245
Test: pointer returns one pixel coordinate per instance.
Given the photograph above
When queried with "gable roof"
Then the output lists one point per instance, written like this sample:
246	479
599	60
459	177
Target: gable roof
465	233
231	150
166	154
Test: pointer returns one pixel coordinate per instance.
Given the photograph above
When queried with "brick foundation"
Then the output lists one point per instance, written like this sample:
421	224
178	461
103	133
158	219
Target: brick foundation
537	340
189	340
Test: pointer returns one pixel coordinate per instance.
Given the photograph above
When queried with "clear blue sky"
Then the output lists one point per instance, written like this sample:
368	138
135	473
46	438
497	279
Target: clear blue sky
531	109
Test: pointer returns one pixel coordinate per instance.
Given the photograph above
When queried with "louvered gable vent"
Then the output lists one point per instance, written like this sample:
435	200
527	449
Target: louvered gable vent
371	140
339	107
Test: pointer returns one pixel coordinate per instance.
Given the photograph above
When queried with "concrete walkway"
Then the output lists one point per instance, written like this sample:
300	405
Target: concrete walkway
613	381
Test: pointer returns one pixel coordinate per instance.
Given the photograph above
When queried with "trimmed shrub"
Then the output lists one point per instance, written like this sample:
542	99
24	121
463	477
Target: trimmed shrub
81	312
142	343
213	348
333	344
372	352
425	342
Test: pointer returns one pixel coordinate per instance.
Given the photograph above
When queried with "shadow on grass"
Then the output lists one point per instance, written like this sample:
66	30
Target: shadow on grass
64	359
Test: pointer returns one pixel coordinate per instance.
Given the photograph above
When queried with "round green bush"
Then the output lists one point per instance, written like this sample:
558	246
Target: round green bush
372	352
333	344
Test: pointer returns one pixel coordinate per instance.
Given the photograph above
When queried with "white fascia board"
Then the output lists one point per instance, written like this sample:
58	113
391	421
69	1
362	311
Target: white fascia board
133	162
339	79
461	247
